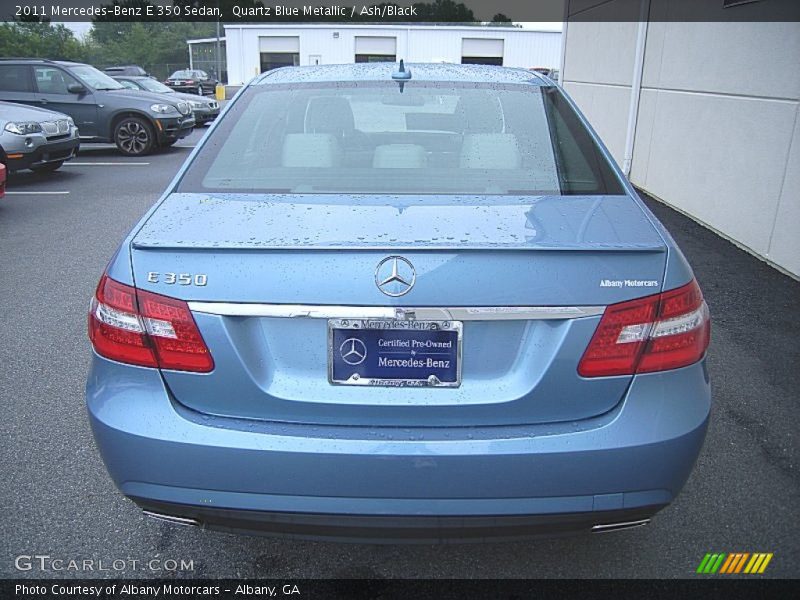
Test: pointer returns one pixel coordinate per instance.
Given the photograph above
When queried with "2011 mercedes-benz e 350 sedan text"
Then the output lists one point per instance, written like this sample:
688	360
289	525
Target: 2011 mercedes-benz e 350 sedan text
416	302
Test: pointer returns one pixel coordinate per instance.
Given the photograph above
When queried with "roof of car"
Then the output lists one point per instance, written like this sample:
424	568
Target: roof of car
39	60
419	72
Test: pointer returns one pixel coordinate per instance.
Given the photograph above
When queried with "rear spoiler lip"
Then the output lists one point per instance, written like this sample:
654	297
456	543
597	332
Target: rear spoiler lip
407	247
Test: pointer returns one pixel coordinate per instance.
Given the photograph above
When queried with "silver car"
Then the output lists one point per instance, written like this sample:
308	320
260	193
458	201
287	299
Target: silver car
35	138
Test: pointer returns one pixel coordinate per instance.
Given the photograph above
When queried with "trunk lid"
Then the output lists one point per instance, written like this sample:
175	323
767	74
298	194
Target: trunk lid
467	252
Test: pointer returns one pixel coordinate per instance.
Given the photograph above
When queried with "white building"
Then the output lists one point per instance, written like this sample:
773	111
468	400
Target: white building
703	115
253	49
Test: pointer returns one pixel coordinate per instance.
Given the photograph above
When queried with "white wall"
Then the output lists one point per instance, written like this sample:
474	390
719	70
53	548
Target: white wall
717	134
522	47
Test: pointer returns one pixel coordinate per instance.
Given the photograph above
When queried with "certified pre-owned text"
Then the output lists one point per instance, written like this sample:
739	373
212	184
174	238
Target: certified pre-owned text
405	363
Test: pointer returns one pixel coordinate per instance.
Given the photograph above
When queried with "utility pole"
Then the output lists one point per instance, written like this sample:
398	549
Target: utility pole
219	64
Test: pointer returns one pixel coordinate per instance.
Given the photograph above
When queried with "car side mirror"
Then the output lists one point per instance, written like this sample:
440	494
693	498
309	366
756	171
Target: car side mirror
76	88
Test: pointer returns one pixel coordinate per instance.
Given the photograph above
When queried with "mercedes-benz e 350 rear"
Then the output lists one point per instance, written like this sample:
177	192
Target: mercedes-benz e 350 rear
375	305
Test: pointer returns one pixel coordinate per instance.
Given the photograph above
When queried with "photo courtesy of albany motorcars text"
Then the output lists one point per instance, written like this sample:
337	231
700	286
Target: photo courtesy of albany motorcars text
413	302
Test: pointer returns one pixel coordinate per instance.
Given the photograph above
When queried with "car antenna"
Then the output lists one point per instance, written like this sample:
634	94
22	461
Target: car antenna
401	75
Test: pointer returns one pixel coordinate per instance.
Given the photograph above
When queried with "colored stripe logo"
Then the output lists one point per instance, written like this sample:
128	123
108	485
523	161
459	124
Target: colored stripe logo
736	562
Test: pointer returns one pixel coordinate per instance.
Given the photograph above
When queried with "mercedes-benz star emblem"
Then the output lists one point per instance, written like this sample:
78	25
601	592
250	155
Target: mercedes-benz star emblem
353	351
395	276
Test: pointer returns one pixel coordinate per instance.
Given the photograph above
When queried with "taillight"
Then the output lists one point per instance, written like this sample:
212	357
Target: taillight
146	329
655	333
115	328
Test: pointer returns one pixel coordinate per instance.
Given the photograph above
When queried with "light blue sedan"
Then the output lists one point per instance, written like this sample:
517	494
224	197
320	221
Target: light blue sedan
413	302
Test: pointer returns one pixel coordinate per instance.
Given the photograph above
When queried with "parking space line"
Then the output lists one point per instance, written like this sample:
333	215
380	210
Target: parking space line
30	193
105	164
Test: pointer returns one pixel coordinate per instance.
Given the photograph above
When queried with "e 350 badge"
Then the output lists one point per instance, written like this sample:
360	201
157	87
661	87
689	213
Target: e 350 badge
199	279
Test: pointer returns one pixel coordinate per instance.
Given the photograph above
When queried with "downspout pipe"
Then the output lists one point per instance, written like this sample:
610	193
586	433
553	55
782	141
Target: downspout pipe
563	60
636	85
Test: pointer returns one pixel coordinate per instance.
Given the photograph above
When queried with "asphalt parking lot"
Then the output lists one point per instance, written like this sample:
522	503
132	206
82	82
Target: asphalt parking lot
58	231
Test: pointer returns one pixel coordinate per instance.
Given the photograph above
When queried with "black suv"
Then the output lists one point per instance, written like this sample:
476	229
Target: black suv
103	109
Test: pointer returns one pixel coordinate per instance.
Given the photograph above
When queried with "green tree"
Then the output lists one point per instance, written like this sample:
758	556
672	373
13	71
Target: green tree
158	46
501	20
39	39
444	11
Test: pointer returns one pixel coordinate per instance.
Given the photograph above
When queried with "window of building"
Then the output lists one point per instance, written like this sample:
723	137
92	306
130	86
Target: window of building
372	58
481	51
482	60
275	60
375	49
204	56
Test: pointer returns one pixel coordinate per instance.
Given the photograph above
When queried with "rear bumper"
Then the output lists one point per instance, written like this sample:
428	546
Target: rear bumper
188	89
403	528
396	483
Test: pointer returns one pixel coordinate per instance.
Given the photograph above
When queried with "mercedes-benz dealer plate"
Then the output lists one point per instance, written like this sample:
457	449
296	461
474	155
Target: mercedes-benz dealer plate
394	353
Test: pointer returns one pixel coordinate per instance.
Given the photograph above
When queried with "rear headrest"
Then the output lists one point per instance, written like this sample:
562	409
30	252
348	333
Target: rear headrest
310	150
480	113
400	156
330	114
490	151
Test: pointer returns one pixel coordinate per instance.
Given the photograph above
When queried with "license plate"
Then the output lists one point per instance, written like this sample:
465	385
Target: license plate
387	352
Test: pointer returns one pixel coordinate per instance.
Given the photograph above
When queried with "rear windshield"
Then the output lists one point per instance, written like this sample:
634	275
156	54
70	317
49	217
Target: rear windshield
421	138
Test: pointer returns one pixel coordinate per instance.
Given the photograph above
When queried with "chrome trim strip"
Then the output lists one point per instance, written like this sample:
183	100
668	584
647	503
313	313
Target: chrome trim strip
619	526
170	518
459	313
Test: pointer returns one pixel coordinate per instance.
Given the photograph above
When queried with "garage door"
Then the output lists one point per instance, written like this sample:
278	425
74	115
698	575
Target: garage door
375	48
482	51
279	43
279	51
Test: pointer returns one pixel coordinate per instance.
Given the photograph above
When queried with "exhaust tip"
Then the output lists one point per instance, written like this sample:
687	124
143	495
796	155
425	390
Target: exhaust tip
602	528
184	521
